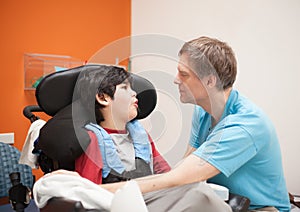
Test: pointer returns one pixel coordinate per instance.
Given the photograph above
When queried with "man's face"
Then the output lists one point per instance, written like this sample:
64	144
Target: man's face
191	88
125	103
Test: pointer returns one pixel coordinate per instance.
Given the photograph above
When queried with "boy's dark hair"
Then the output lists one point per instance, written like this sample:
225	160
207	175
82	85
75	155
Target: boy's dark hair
99	81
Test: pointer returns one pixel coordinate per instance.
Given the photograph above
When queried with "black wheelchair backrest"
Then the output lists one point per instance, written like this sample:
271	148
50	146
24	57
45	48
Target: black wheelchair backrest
60	141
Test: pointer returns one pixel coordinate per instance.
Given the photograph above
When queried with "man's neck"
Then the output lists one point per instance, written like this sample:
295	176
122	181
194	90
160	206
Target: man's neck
216	104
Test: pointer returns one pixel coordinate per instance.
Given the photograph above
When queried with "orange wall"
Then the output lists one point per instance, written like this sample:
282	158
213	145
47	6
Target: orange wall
64	27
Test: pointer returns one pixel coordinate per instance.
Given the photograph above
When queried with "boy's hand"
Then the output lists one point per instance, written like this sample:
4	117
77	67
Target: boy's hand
113	187
62	171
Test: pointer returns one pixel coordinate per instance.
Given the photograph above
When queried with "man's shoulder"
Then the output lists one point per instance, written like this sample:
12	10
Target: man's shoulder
241	107
248	116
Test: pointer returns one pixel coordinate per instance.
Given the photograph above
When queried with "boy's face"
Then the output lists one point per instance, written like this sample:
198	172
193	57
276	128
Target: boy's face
125	104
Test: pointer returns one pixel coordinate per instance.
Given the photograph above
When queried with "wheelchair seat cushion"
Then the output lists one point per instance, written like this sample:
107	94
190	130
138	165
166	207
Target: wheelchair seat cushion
63	138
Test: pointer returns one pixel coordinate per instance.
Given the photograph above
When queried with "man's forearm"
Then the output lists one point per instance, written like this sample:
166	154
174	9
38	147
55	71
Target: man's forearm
146	184
192	169
154	182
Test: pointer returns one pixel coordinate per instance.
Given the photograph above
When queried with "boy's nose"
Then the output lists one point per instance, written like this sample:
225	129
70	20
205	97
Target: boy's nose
133	92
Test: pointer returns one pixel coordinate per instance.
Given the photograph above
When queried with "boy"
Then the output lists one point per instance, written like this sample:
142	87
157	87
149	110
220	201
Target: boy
126	150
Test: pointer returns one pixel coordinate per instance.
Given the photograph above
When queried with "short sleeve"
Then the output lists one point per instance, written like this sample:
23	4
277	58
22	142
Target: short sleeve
227	148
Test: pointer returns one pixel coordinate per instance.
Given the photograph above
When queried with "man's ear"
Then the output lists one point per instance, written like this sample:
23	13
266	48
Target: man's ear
103	99
211	80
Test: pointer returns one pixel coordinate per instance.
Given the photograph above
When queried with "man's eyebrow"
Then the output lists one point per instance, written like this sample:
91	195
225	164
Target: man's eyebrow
181	70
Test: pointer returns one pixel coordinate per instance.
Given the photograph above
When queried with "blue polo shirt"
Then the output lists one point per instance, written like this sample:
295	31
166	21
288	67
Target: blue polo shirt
244	147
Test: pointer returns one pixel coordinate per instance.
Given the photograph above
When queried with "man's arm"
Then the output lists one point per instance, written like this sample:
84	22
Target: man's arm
189	150
191	169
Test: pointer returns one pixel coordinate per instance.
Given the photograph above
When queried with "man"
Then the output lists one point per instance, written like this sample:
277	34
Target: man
232	142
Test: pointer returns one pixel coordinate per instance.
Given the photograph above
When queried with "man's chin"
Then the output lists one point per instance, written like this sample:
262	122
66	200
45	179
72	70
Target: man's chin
183	100
186	100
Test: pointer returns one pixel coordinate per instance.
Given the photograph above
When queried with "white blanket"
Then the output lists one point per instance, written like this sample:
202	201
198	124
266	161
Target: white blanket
91	195
33	133
74	188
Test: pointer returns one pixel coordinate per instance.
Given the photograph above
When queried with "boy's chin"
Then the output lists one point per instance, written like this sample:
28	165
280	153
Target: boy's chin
132	116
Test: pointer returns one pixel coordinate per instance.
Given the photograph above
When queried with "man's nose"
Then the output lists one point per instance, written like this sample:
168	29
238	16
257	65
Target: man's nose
176	79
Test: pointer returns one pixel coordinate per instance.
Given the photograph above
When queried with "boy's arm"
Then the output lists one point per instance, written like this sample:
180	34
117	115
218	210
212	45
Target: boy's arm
160	165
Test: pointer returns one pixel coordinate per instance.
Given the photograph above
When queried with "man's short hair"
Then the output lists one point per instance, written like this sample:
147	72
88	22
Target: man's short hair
211	56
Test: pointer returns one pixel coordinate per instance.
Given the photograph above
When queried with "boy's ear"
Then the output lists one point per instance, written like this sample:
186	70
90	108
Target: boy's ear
103	99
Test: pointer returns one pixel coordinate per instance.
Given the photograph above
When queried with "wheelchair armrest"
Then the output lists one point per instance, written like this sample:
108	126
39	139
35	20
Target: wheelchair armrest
56	204
238	203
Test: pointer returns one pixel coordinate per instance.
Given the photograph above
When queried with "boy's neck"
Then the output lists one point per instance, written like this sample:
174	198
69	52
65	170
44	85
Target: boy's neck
114	131
113	125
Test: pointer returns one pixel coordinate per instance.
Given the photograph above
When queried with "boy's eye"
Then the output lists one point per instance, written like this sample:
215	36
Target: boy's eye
125	87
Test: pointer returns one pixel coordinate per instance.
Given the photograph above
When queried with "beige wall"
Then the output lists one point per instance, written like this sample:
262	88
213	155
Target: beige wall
265	36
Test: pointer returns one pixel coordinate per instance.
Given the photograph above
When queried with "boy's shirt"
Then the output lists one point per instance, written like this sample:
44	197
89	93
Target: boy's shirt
89	165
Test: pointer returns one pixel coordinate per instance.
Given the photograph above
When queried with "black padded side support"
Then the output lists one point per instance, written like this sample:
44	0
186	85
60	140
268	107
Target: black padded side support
146	95
62	139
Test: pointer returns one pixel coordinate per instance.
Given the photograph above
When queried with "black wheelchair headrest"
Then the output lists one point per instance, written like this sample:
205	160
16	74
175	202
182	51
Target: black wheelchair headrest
63	138
55	91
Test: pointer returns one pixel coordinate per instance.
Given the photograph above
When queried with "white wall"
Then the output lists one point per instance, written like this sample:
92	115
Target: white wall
265	34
